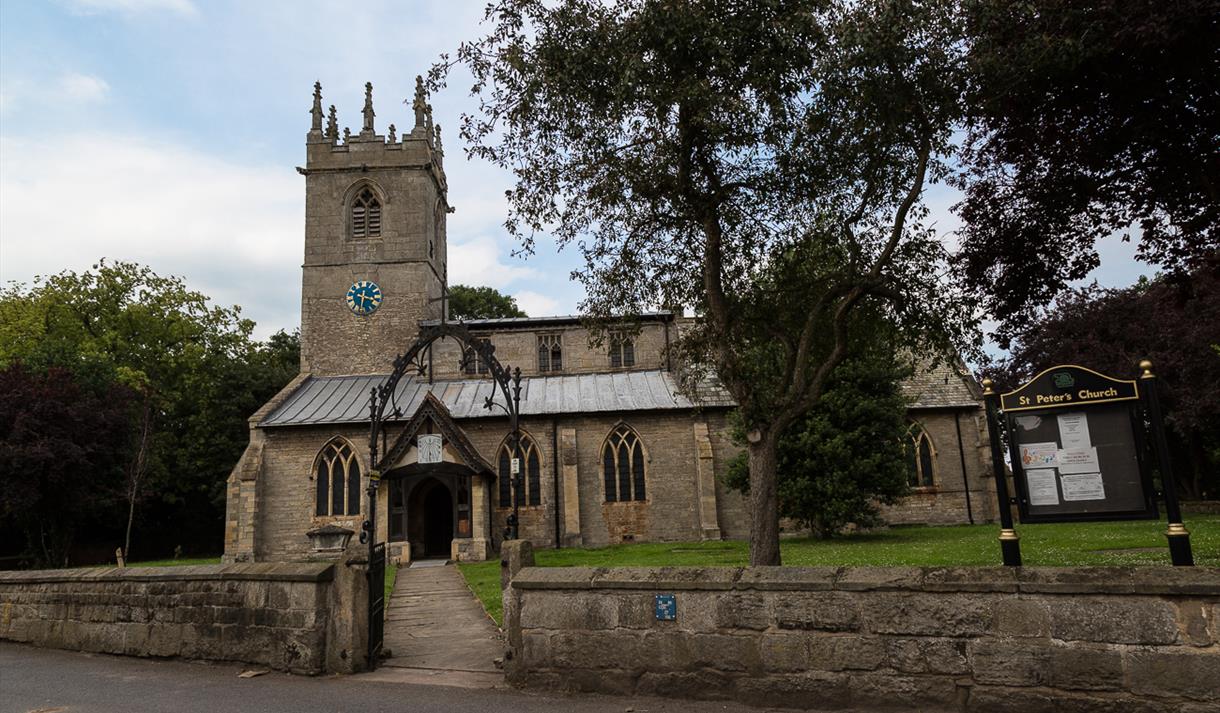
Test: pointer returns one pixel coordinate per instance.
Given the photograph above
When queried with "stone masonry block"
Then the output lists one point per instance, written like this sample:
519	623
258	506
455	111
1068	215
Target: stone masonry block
822	611
1013	616
1086	667
927	614
1009	662
927	655
1191	673
1118	620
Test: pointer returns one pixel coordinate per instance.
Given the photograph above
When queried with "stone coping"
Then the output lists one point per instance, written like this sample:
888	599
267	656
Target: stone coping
266	572
1195	581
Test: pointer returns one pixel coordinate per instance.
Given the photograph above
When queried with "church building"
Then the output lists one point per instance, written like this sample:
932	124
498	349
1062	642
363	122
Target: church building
611	450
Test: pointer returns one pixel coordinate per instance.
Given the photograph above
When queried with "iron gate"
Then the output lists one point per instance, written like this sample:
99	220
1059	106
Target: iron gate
376	603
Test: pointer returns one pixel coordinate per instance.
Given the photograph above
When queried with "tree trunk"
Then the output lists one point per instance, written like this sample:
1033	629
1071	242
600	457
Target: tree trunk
136	474
764	501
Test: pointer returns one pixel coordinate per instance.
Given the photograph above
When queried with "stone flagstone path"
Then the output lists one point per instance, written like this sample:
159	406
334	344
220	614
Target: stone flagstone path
438	632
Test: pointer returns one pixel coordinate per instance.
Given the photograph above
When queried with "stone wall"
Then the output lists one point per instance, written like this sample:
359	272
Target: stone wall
978	639
305	618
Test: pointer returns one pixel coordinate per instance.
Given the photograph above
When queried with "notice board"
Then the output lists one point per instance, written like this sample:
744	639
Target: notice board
1077	448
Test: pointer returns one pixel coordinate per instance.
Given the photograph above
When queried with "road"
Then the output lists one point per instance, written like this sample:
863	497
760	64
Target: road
52	681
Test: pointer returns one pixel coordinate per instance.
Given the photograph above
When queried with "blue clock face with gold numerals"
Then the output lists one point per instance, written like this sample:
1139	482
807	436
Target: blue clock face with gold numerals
364	297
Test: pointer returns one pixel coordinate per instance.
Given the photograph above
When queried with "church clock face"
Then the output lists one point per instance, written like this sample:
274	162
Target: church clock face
364	297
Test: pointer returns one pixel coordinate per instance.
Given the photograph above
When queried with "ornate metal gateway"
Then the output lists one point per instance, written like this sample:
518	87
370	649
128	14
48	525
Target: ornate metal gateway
384	411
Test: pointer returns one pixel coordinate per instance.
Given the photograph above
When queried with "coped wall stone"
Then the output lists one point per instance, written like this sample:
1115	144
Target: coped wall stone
300	617
928	639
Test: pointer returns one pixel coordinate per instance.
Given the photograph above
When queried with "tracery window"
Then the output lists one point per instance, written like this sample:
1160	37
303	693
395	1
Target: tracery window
531	472
337	480
550	352
921	460
622	351
366	215
473	364
623	465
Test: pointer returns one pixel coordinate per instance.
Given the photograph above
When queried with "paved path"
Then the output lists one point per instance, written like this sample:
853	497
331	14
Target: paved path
33	679
437	630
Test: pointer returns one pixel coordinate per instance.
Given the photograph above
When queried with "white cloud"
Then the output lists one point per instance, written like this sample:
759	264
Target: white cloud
536	304
67	91
232	231
82	88
478	261
132	7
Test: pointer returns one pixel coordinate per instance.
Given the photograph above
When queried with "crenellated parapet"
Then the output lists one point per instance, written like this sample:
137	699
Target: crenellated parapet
330	149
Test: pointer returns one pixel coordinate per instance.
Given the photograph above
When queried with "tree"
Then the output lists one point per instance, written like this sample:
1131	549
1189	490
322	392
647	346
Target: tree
848	453
467	302
62	455
1175	325
762	161
1086	120
196	373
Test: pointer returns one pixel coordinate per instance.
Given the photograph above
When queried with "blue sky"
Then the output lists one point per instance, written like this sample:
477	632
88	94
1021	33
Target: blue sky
167	132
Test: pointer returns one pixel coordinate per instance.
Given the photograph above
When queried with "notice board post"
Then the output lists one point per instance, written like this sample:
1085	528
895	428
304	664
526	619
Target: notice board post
1010	542
1178	535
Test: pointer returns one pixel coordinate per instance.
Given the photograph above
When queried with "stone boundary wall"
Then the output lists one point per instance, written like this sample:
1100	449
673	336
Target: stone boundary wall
966	639
298	617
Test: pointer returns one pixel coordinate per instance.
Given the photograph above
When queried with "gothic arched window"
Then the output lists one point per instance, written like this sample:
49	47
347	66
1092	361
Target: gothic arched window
366	214
550	352
337	480
921	458
623	464
531	472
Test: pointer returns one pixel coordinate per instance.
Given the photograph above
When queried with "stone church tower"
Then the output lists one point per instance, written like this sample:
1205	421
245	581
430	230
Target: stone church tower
375	209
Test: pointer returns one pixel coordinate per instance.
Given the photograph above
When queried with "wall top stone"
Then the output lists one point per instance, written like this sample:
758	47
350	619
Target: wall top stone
1194	581
269	572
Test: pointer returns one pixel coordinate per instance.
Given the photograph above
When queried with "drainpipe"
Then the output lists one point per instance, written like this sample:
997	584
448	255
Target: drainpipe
668	358
555	473
961	453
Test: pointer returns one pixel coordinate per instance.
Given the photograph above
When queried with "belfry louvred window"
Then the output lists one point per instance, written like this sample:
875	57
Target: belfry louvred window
337	476
623	465
531	473
366	215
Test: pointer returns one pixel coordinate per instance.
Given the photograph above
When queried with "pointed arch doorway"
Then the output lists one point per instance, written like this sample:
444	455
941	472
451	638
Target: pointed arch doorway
429	519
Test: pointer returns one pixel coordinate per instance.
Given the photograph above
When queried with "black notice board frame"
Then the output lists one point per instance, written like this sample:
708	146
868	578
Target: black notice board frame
1063	388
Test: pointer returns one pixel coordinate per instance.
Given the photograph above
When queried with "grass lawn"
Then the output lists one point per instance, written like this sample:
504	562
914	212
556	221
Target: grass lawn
1055	545
182	562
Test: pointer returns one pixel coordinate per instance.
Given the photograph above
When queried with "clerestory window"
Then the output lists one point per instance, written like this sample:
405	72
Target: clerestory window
550	352
622	351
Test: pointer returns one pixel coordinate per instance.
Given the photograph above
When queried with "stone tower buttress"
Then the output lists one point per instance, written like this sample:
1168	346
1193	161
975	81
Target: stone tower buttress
375	212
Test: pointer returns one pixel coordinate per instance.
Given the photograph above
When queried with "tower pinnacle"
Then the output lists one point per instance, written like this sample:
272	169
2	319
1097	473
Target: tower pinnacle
420	105
315	127
366	131
332	125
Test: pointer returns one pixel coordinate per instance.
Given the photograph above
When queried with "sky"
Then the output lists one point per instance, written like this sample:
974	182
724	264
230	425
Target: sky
167	132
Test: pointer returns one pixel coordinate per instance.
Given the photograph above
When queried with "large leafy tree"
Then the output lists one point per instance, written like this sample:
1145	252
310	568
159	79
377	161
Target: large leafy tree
63	447
1087	119
466	302
847	454
762	161
1174	324
194	370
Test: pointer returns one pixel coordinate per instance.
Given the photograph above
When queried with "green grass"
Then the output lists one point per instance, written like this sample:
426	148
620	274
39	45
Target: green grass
391	573
1054	545
183	562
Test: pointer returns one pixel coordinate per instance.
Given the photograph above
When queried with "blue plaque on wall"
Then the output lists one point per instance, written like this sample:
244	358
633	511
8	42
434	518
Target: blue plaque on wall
667	607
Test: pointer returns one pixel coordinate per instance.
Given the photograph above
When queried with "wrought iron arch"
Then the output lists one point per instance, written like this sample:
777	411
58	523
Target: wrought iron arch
383	409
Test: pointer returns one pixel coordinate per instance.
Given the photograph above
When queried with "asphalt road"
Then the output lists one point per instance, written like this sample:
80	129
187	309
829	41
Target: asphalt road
51	681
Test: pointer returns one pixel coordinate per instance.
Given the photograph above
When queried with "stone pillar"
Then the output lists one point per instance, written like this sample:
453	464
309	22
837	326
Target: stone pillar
347	633
572	536
241	507
705	472
514	556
